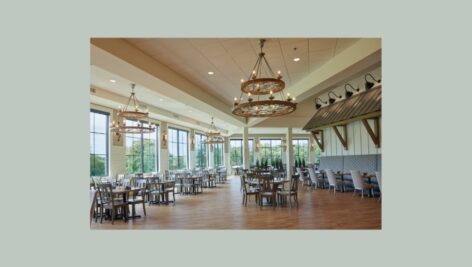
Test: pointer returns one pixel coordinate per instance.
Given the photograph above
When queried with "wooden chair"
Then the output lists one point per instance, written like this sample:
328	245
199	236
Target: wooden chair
248	191
170	188
154	191
291	192
359	183
109	202
268	191
138	197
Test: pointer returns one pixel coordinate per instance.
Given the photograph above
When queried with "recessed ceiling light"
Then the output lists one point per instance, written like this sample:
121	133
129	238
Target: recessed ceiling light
112	81
296	59
211	73
190	111
160	99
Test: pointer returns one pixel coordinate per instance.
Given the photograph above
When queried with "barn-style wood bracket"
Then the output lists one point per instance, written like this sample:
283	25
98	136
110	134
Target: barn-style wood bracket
374	133
319	141
342	139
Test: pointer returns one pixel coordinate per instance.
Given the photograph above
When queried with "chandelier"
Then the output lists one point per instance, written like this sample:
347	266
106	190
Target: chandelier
133	114
214	136
265	90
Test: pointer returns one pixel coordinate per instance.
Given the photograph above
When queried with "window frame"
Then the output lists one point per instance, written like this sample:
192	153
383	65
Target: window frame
107	138
178	146
141	154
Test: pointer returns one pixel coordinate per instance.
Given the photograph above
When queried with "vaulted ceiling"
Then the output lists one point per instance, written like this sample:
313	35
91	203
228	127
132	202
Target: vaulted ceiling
172	74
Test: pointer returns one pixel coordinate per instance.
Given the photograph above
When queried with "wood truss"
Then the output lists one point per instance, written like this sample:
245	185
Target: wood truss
342	139
319	140
374	133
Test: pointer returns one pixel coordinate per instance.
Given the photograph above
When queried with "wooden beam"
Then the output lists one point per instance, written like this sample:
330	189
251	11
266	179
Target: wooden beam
374	133
342	139
319	142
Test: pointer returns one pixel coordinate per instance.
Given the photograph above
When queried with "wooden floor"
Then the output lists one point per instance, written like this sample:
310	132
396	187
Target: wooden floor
221	208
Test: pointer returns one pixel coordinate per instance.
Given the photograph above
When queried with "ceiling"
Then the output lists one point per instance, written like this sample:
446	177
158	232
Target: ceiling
233	59
171	75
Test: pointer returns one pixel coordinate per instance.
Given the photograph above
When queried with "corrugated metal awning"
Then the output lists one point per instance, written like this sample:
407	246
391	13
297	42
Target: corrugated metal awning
358	105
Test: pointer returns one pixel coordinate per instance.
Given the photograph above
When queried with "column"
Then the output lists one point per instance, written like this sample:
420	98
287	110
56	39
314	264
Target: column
289	153
191	141
164	152
211	160
257	152
245	148
226	155
117	151
311	150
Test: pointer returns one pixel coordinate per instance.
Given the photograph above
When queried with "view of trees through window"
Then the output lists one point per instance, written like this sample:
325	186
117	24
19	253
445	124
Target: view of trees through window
218	155
271	149
98	143
236	152
141	151
300	149
178	149
201	151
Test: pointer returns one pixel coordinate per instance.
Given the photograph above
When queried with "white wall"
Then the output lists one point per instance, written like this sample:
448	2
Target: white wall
358	141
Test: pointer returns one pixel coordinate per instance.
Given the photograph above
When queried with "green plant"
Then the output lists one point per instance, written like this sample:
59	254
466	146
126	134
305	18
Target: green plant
303	162
258	166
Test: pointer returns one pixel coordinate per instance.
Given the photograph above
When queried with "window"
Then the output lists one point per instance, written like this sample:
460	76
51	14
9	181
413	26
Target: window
178	149
236	152
201	151
218	155
141	151
98	143
271	150
300	149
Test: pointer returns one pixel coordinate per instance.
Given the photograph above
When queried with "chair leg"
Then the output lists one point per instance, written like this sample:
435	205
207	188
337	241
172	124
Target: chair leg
144	208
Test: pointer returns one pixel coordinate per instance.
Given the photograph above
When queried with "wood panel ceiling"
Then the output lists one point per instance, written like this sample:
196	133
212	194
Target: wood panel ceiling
233	59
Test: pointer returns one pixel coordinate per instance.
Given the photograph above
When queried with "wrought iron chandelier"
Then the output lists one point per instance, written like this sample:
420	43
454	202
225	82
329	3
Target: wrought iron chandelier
134	114
214	135
265	90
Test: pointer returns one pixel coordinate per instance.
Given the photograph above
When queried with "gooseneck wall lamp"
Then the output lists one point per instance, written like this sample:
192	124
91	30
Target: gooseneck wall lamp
333	99
368	84
318	104
351	92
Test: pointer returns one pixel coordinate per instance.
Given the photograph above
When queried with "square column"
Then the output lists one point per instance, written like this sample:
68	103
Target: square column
311	150
211	160
289	153
246	148
226	156
163	144
191	141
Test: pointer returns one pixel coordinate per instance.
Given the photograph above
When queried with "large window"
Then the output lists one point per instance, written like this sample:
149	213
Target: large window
218	155
178	149
98	143
141	151
236	152
300	149
271	150
201	151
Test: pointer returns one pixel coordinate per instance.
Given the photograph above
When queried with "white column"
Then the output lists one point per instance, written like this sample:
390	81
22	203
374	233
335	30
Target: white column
164	152
257	152
311	150
117	151
289	152
245	148
226	155
191	141
211	160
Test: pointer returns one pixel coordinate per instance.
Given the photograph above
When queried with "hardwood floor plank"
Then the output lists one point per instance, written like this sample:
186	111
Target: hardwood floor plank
221	208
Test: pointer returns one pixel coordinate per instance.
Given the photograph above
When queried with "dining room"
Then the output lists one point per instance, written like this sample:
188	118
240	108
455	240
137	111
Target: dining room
290	142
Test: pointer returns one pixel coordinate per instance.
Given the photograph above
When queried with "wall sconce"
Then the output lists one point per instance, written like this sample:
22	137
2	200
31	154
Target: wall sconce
164	138
317	103
312	146
192	142
350	93
258	146
332	100
368	84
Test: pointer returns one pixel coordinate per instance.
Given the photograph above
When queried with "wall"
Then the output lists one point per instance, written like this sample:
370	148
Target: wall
358	141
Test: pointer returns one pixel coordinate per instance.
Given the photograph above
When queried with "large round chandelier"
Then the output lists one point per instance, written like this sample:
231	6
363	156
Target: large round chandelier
132	119
214	135
265	90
